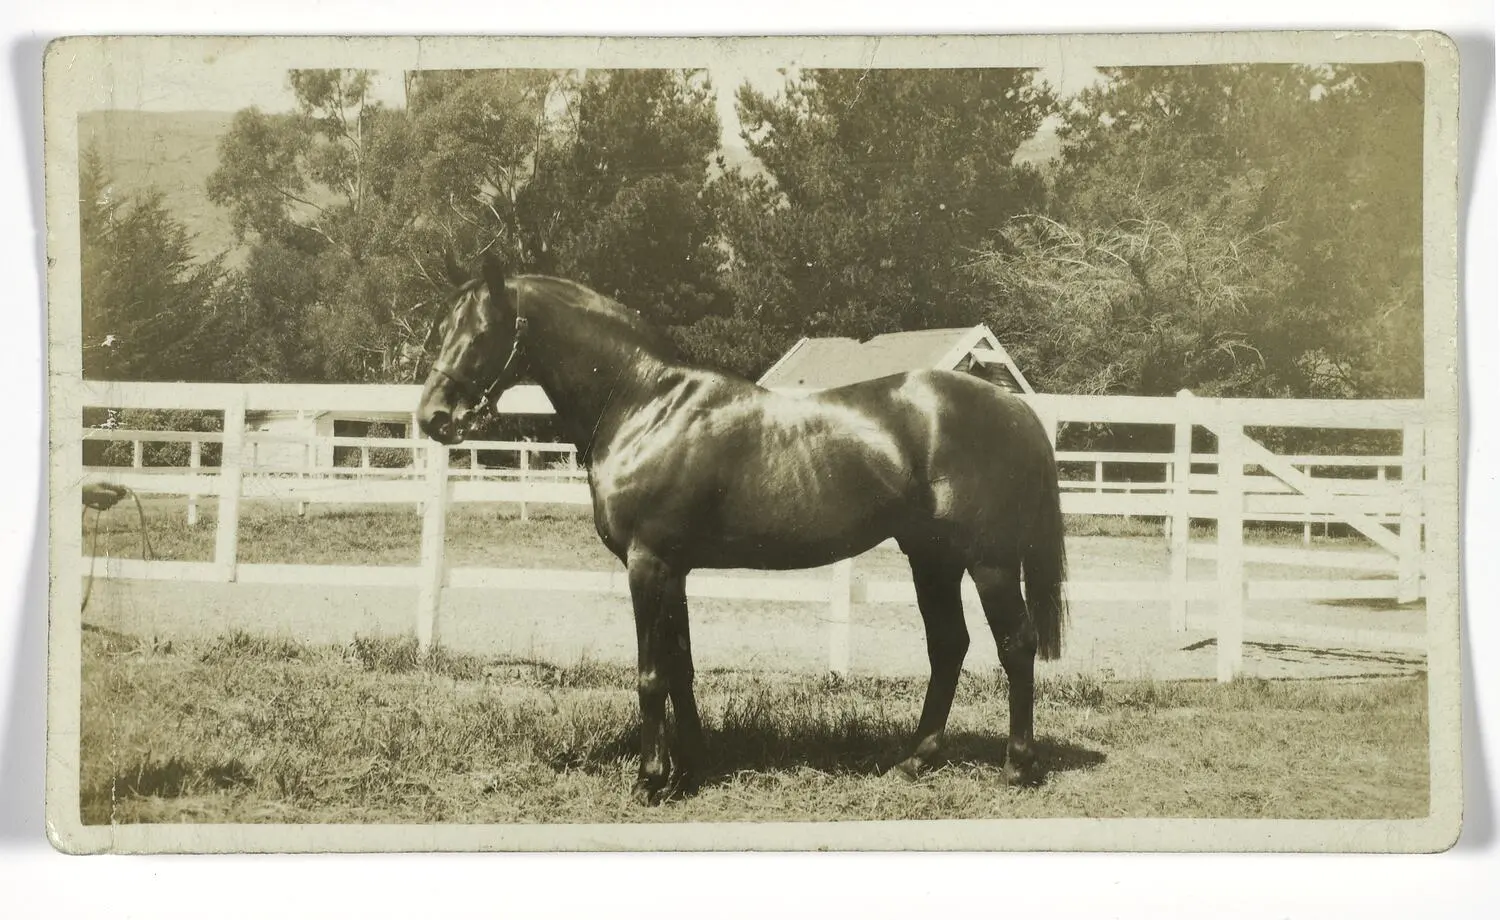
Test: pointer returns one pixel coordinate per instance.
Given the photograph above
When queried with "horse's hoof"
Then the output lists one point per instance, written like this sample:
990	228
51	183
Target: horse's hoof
682	785
908	770
648	794
1024	775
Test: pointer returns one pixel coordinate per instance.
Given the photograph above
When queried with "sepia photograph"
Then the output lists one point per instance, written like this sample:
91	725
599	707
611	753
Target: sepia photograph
754	443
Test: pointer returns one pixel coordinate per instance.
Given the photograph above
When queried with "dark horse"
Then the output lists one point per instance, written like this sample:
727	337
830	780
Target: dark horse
695	469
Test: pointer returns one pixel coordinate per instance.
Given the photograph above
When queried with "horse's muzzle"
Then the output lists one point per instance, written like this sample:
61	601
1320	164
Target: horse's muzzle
443	428
443	414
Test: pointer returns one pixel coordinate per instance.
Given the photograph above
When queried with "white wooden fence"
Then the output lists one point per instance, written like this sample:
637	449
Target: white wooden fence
1285	490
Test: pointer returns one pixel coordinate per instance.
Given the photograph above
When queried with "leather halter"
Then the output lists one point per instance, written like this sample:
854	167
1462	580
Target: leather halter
469	387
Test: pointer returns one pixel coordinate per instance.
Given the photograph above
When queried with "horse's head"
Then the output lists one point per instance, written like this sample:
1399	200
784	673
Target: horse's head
478	360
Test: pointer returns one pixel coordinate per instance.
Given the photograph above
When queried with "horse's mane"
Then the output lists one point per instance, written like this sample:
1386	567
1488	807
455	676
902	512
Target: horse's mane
621	322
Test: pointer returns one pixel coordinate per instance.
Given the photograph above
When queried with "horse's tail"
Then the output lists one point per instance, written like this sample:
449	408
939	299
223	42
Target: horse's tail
1045	565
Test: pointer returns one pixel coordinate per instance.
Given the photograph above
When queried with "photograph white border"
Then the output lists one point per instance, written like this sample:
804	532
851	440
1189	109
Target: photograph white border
81	75
1459	883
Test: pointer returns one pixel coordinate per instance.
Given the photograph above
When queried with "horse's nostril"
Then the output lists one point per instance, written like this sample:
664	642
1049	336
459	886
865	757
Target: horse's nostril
438	424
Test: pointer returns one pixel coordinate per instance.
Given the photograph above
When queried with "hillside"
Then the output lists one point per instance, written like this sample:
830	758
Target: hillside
174	152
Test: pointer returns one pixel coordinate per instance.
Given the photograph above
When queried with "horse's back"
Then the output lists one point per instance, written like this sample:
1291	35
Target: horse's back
978	453
948	410
722	473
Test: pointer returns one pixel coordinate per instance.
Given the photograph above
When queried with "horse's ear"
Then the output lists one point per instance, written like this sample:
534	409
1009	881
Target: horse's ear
456	275
494	273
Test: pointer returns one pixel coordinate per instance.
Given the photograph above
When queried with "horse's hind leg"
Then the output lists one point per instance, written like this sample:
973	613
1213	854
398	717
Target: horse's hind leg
1015	638
938	578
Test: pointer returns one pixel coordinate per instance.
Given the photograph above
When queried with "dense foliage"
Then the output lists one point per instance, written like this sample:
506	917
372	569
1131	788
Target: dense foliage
1249	230
1238	230
144	297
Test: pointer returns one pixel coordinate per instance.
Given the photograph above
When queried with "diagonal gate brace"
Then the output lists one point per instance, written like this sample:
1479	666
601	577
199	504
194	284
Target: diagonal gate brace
1281	469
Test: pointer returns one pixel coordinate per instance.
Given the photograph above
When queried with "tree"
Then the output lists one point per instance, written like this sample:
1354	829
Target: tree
878	183
1356	219
304	177
472	154
597	176
621	203
1147	305
143	295
1226	229
314	193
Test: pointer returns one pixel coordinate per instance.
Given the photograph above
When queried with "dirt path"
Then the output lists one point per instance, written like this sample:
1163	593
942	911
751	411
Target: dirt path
1119	639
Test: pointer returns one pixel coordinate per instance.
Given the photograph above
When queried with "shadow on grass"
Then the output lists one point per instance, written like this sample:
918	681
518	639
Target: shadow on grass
1287	651
110	635
869	750
1373	603
171	778
1053	755
834	727
1297	652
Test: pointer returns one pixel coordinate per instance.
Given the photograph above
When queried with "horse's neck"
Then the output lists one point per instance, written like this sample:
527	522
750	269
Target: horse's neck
592	378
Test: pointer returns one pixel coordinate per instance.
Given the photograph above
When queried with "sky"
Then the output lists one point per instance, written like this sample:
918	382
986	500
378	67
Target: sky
230	84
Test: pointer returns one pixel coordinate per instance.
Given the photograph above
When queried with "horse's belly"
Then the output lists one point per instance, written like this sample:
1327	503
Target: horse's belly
782	550
801	519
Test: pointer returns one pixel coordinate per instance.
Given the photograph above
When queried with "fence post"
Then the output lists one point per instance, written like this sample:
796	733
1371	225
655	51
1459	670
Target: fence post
433	570
525	477
840	602
1231	534
195	463
231	476
307	459
1047	412
1178	523
414	431
138	453
1409	566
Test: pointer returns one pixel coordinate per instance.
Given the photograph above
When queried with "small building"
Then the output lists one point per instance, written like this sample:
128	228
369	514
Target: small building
294	430
820	364
295	439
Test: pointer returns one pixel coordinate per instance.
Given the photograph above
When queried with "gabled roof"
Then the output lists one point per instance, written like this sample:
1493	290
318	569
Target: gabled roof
819	364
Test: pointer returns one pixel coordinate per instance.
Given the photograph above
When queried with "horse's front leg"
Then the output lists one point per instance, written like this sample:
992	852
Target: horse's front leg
650	584
687	748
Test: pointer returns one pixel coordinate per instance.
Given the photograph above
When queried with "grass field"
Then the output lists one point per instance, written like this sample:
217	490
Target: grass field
208	726
246	728
1113	638
563	535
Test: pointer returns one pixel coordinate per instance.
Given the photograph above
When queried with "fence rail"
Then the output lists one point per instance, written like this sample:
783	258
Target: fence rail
1283	489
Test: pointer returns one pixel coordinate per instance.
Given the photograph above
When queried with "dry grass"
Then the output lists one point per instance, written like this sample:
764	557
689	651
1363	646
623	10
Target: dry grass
261	729
556	536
